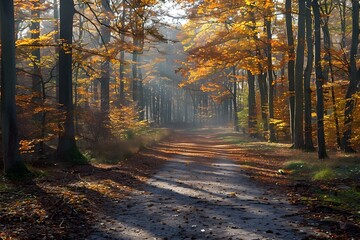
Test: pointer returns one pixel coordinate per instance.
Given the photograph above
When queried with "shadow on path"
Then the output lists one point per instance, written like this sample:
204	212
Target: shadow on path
201	194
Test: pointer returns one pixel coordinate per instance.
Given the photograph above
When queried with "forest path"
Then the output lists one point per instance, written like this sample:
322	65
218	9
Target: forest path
201	194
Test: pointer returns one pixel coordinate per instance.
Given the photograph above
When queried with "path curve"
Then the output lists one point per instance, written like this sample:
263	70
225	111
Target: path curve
200	194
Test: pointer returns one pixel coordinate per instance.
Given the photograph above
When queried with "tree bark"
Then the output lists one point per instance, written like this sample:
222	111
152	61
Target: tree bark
271	84
309	145
67	149
10	140
252	121
299	71
291	64
105	66
122	56
263	102
319	84
236	120
354	80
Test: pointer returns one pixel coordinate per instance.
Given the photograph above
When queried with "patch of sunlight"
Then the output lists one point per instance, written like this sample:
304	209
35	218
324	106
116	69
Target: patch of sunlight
232	165
188	144
268	171
105	187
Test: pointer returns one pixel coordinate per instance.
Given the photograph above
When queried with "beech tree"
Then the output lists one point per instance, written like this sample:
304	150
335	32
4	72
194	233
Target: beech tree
354	79
67	149
299	73
309	146
320	80
290	64
10	140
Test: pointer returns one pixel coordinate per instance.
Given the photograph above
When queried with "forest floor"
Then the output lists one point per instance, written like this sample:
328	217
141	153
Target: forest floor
210	184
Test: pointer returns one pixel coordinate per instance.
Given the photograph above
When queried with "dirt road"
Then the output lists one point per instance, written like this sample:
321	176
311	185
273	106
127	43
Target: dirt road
201	194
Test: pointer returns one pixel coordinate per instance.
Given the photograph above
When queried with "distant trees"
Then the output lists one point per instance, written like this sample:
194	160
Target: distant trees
115	69
68	86
250	38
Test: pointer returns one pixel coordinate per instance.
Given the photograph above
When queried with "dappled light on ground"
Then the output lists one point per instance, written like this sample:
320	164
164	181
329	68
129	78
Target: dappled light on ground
201	194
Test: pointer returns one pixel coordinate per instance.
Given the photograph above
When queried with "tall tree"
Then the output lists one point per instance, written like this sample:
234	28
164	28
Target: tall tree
67	149
309	146
105	66
252	122
122	54
271	84
291	64
354	79
10	141
319	84
299	71
234	99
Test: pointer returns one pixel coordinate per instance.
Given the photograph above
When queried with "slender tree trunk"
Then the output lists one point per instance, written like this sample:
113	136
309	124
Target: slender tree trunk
263	102
67	149
354	79
105	66
141	103
252	122
135	95
37	80
291	65
236	120
299	71
342	12
122	55
309	145
271	84
56	39
319	84
10	140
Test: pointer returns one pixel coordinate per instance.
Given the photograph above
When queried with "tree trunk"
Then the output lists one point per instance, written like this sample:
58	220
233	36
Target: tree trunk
271	84
141	103
105	66
252	121
37	81
309	145
135	95
291	65
263	102
236	120
354	79
299	71
10	140
67	149
319	85
56	39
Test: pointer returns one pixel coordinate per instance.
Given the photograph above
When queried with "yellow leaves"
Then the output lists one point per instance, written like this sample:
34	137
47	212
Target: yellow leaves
124	119
43	40
26	146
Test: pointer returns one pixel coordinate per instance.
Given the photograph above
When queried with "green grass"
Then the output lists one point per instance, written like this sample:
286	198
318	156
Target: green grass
342	167
325	174
335	180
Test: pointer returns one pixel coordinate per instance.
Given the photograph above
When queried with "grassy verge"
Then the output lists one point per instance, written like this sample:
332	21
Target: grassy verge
335	181
331	187
115	151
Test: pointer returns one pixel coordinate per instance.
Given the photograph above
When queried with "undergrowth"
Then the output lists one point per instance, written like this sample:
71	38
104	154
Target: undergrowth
115	150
